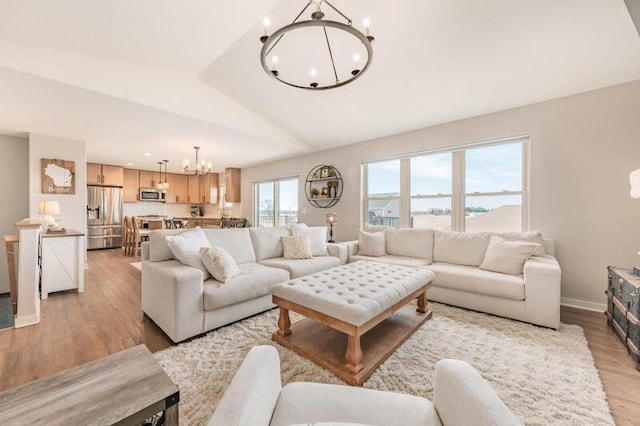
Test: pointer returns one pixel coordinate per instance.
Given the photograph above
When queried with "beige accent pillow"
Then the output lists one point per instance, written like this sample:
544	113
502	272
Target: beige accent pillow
296	247
507	257
531	237
186	248
371	244
219	263
317	237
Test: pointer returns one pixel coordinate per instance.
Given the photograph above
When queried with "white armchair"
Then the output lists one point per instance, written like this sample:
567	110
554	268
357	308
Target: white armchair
256	397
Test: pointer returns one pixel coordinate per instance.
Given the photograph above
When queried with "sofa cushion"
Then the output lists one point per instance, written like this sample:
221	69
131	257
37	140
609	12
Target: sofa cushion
532	237
317	237
312	403
475	280
266	241
301	267
371	244
186	248
410	242
296	247
219	263
158	248
236	241
254	280
460	248
395	260
507	257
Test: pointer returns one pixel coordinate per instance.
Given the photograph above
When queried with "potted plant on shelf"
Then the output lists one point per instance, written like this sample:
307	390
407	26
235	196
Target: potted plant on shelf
314	192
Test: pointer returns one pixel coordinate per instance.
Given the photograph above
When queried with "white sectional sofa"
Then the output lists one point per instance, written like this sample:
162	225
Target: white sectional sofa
531	294
183	304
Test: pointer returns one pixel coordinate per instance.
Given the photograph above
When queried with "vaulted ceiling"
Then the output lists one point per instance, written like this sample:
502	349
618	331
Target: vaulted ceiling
161	76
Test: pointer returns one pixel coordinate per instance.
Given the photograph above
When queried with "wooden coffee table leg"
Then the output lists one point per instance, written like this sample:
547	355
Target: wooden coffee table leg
354	354
422	302
284	323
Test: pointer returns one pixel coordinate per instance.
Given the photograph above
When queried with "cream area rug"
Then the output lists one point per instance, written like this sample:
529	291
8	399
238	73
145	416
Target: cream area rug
544	376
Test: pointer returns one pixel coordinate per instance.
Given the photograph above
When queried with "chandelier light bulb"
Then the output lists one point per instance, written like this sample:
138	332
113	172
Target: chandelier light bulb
313	72
274	60
266	22
356	58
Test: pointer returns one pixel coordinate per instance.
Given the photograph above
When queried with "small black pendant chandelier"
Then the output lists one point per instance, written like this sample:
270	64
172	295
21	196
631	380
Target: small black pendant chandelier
333	76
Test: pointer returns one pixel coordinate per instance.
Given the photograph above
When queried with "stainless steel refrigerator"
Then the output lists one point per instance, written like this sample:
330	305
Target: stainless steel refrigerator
104	217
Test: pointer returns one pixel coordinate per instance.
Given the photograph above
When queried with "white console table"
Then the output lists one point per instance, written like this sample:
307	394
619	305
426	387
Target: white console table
62	260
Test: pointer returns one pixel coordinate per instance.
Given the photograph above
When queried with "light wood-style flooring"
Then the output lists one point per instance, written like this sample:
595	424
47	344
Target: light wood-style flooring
107	318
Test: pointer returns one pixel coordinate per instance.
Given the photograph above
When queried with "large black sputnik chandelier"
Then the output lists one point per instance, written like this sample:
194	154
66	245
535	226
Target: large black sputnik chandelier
347	51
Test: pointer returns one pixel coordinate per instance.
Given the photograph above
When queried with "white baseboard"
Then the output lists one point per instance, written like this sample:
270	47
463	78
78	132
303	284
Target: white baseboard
26	320
583	304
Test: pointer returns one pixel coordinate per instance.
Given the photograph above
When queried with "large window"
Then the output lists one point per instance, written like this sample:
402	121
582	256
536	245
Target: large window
276	202
473	188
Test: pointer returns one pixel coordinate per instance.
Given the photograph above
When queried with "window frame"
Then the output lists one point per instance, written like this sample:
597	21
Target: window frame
276	198
458	193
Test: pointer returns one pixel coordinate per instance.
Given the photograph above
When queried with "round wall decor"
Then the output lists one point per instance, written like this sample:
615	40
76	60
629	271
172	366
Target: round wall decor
323	186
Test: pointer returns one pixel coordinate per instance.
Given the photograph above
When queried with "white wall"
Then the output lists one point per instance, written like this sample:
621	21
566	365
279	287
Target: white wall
73	208
14	174
582	150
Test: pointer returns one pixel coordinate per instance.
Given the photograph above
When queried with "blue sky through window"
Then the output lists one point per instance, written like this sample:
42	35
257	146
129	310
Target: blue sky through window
494	168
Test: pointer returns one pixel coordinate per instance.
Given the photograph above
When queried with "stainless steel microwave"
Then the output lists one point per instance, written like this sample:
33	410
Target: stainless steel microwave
152	194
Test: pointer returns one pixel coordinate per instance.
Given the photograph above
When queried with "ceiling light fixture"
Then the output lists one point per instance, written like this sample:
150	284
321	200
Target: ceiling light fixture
201	168
335	75
163	186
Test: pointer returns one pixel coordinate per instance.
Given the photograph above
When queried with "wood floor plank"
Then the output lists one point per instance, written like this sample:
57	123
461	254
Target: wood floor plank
107	318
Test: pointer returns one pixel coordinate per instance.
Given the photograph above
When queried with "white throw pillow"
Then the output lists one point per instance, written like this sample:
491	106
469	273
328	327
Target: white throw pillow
317	237
296	247
531	237
219	263
186	248
371	244
507	257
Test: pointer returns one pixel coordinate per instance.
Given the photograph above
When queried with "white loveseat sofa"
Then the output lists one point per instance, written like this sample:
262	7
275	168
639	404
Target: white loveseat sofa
533	295
178	299
256	397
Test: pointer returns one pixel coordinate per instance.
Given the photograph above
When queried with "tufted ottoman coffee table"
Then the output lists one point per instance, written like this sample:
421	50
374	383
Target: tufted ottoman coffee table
352	299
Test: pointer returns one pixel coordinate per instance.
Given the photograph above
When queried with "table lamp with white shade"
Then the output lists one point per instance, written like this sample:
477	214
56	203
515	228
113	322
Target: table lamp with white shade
331	219
48	209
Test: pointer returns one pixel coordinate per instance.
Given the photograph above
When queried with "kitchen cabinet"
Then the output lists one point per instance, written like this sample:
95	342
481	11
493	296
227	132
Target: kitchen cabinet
178	191
209	188
131	187
194	189
232	185
103	174
148	179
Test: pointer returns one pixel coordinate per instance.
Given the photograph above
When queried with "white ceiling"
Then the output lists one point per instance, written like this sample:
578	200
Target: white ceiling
160	76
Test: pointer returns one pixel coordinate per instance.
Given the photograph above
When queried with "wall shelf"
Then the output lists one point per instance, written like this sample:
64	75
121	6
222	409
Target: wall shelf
325	179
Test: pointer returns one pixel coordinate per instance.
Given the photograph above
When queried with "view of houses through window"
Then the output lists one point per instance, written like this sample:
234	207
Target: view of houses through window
475	188
276	202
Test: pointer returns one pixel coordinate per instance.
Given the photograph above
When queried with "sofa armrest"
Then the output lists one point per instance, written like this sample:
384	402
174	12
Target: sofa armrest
352	249
172	296
338	250
145	250
463	397
252	395
542	278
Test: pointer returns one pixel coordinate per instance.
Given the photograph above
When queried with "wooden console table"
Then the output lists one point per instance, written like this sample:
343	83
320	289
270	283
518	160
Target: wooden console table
124	388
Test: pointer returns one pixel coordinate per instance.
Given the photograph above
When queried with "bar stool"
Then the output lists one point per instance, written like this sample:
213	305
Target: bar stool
139	235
